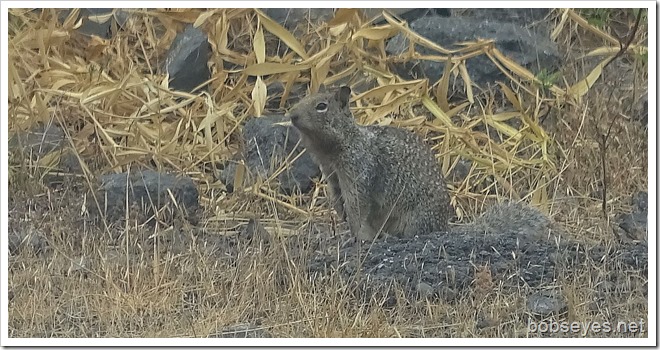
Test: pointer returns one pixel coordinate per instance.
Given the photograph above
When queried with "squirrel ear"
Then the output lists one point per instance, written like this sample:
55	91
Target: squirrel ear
343	95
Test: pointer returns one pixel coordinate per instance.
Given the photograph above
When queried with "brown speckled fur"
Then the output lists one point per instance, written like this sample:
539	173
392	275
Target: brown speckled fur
379	176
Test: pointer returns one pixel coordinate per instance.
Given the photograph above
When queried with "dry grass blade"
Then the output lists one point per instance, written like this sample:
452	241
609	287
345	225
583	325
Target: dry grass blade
203	17
466	80
376	33
611	51
268	68
560	26
511	96
282	33
580	88
500	60
585	24
442	92
381	91
259	95
259	45
441	116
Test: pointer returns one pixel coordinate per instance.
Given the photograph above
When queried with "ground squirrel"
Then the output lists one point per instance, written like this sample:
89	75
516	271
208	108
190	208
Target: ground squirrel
381	179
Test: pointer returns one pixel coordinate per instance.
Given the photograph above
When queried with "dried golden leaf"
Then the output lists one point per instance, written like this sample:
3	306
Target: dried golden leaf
503	128
499	59
343	16
239	176
338	29
437	111
220	35
511	96
324	54
560	26
209	120
512	65
538	134
282	33
100	18
376	33
203	17
466	79
268	68
611	50
581	87
96	47
442	92
71	19
259	45
414	37
380	91
341	75
585	24
49	161
452	112
259	95
319	73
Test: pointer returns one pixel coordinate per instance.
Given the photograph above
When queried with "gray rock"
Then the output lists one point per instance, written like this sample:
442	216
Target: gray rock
640	201
266	147
523	46
424	289
407	15
522	16
187	59
19	240
93	23
546	303
39	141
42	140
147	190
255	232
79	266
460	172
641	110
635	224
446	260
290	18
486	322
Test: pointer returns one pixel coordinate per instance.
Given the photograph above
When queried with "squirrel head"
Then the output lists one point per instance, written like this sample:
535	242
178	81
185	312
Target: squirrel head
323	115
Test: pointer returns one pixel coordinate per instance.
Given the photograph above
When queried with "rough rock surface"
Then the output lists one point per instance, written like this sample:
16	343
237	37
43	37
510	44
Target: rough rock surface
187	59
445	263
546	303
266	147
93	22
521	16
290	18
146	190
19	239
43	140
635	223
527	48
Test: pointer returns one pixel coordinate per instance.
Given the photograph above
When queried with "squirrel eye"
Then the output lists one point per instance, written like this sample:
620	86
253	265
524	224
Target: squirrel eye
322	107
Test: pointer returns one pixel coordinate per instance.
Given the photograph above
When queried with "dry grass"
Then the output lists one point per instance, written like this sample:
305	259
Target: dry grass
119	111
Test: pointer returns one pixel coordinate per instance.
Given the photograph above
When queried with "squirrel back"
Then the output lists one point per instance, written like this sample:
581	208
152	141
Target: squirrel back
519	218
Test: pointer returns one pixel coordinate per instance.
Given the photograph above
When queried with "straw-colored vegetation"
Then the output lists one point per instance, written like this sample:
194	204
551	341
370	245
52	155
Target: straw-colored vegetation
544	138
